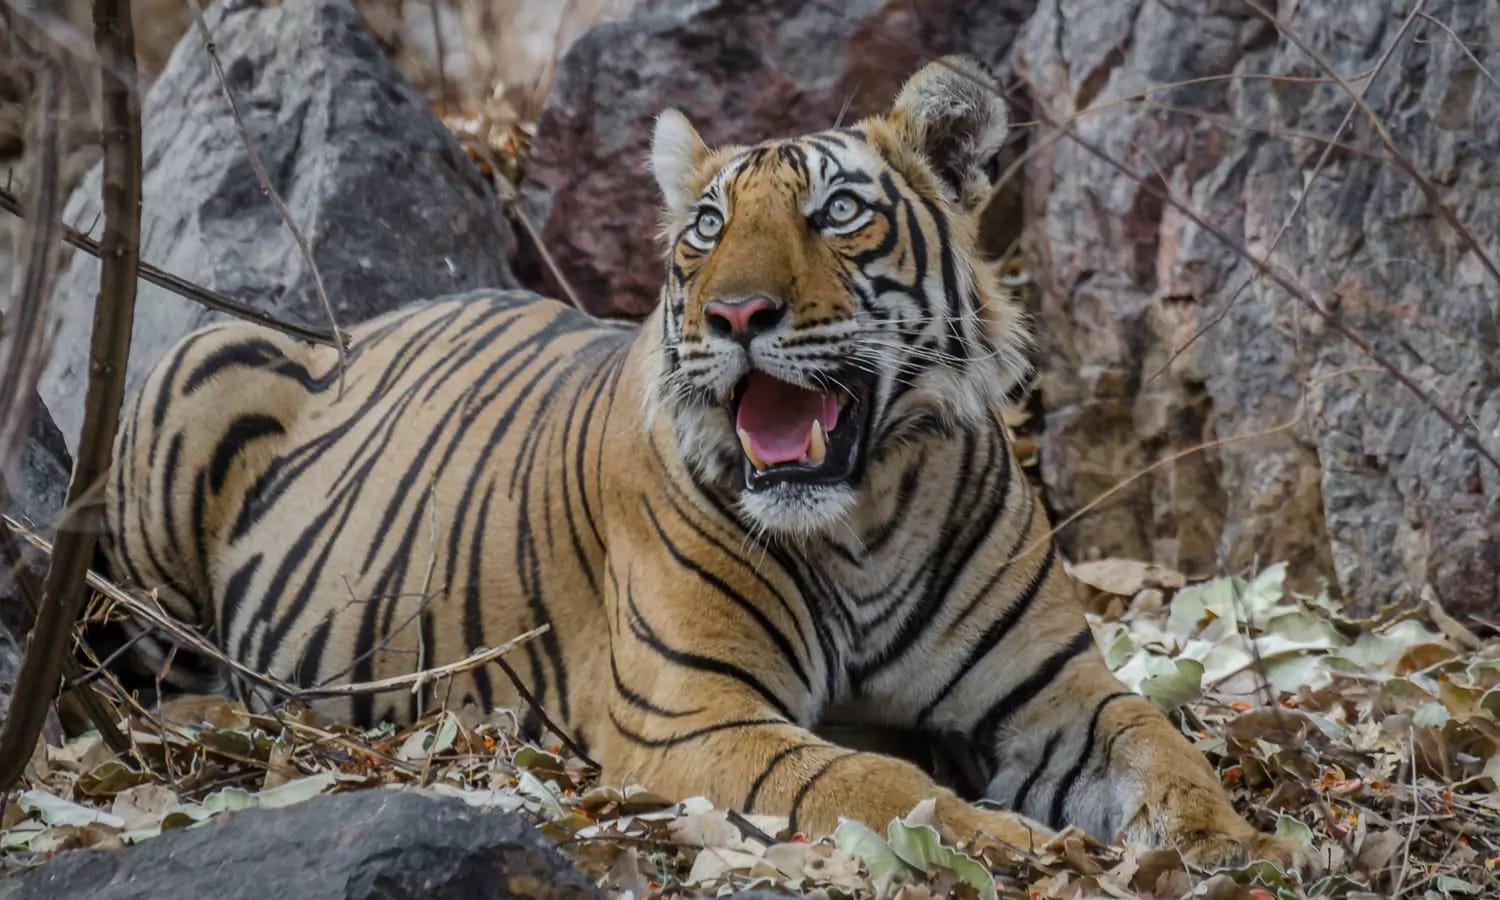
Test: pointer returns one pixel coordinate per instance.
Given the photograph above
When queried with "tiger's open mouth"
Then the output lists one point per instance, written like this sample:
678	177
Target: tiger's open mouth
796	435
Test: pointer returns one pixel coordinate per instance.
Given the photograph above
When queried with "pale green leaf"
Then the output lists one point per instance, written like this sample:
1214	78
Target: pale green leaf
1171	689
859	840
447	733
54	810
1207	602
542	792
1290	827
1288	673
1451	884
1430	715
295	791
920	847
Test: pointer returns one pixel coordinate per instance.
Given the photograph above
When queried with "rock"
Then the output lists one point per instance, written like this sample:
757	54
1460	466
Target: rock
37	483
392	208
1364	480
36	487
366	845
741	72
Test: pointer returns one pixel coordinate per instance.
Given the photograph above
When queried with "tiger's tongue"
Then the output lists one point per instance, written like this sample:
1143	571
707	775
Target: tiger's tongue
778	417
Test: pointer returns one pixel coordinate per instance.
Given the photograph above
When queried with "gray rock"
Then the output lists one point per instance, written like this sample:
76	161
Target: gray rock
36	484
1363	480
741	72
366	845
393	209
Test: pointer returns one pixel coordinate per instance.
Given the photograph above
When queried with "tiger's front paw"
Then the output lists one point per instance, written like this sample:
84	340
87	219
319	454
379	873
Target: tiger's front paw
1216	849
977	828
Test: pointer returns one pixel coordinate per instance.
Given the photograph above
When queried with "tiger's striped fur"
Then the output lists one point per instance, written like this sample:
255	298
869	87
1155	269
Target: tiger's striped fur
498	461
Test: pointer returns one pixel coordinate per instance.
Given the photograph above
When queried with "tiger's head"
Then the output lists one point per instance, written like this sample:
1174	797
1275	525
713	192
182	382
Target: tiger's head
825	307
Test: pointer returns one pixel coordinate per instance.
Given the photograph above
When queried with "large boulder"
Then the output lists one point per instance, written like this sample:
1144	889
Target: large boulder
1328	462
740	71
367	845
393	209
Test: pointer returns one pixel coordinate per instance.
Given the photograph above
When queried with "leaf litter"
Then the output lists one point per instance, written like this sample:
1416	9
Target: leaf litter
1376	742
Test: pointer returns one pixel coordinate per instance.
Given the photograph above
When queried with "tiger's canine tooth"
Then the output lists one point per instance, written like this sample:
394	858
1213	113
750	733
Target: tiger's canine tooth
817	447
750	452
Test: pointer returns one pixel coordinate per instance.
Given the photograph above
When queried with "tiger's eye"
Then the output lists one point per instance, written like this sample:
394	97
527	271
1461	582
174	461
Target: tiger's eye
842	209
709	224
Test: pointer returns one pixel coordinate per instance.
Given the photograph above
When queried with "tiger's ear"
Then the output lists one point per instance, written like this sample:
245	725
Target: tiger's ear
952	113
676	151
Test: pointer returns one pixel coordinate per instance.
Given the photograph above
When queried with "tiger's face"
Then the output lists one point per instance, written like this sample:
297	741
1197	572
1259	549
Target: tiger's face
824	306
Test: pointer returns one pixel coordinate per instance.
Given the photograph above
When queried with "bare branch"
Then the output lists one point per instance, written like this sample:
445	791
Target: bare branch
1297	291
114	311
183	288
22	339
536	707
415	680
154	617
98	714
1464	47
264	178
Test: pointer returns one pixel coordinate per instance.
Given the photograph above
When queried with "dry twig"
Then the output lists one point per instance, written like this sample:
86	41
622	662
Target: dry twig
541	713
212	299
22	340
264	178
154	617
1465	48
114	311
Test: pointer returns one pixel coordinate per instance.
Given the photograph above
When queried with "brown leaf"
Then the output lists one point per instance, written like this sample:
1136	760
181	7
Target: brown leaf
1126	577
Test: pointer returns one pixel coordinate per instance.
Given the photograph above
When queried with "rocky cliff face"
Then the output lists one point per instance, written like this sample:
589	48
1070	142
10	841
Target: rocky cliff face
1350	473
1317	458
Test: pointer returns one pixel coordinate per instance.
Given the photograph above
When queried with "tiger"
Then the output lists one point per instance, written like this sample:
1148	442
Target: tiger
785	499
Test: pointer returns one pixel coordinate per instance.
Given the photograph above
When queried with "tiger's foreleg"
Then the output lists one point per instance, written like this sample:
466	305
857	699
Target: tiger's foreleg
1087	752
706	701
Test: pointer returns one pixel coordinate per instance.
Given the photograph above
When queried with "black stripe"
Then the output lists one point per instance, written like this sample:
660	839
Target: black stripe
995	633
807	787
306	674
1070	778
240	432
473	620
1109	745
988	730
639	701
642	631
234	594
686	736
1050	747
766	625
753	796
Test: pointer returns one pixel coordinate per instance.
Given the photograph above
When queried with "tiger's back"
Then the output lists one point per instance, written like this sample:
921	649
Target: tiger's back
424	513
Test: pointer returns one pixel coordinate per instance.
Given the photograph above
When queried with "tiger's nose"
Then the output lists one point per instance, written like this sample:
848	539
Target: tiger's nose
741	320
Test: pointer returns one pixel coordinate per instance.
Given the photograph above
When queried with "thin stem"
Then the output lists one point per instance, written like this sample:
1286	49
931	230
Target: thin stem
114	311
263	177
